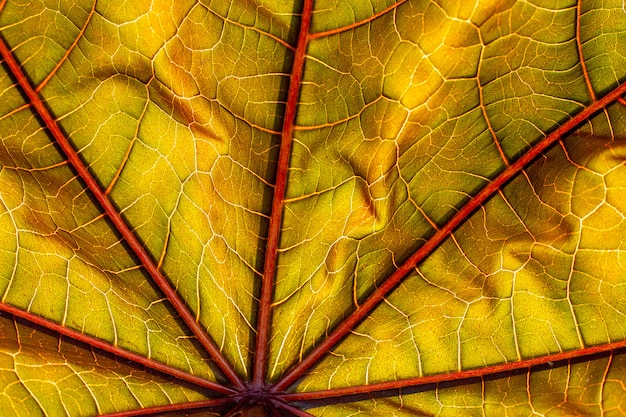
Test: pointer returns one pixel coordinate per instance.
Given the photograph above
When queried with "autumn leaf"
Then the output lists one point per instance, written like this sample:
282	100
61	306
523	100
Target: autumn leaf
320	208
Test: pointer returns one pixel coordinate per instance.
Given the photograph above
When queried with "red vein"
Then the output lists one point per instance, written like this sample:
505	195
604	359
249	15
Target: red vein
293	410
69	50
116	218
168	408
430	245
108	347
271	251
355	24
452	376
581	57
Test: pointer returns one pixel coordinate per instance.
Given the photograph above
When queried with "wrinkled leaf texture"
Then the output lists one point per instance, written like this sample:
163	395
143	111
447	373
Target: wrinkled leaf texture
328	208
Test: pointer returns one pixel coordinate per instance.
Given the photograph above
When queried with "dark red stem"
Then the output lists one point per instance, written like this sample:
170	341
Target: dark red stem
432	243
271	251
74	159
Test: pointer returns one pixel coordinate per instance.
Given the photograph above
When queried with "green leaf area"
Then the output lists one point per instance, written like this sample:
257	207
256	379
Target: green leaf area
314	208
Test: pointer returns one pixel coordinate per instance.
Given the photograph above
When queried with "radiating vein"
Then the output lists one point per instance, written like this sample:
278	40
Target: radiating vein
120	224
148	411
452	376
292	410
271	251
108	347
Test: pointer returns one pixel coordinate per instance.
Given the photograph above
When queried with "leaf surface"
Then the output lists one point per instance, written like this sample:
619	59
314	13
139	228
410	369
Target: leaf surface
320	208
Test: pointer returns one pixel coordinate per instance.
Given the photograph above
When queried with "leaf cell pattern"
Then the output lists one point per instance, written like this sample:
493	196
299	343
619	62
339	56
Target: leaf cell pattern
315	208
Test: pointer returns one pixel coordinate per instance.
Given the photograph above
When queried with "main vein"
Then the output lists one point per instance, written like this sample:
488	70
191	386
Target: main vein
108	347
271	250
160	410
454	376
113	214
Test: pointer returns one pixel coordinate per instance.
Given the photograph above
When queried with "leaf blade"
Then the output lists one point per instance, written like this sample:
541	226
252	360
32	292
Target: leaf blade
451	215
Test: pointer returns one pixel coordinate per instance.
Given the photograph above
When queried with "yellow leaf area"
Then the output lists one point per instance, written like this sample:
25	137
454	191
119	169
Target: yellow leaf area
42	374
174	109
405	111
594	388
403	119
